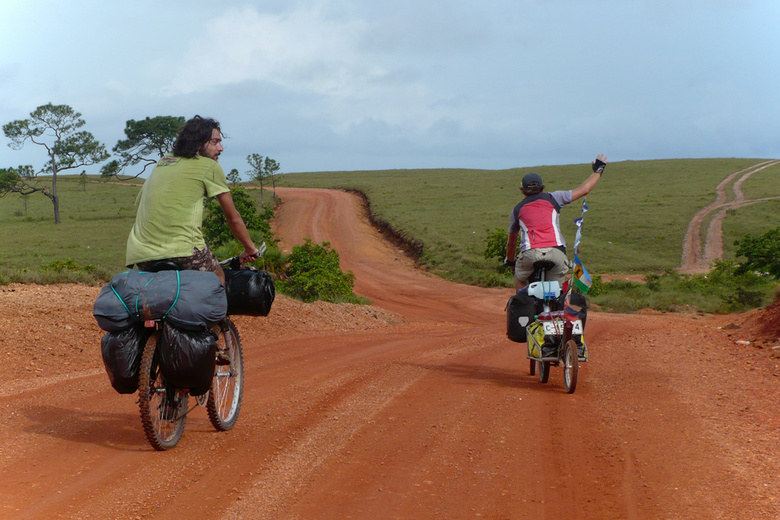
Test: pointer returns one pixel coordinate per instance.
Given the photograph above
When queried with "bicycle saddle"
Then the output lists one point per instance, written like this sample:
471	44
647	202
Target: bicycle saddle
164	265
544	264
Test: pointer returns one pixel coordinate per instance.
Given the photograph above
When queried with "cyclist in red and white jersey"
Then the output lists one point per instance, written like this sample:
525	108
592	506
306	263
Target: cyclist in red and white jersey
534	226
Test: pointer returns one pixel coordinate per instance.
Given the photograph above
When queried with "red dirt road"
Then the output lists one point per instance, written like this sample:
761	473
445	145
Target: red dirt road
416	407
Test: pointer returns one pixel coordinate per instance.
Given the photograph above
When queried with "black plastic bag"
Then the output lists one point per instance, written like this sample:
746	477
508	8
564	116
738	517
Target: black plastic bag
122	353
520	310
187	358
250	292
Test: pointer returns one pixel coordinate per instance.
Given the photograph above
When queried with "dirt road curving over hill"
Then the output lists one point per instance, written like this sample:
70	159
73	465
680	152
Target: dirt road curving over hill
697	257
416	407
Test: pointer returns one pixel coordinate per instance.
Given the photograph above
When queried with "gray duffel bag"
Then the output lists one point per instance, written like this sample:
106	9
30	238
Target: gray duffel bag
192	300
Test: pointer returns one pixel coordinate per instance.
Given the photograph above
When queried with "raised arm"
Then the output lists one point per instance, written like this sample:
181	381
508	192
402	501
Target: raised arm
598	168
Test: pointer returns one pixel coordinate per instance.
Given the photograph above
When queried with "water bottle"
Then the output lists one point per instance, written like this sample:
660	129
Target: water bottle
545	290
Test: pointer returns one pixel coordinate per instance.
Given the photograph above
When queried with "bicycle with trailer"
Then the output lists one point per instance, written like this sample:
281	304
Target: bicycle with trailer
167	364
552	323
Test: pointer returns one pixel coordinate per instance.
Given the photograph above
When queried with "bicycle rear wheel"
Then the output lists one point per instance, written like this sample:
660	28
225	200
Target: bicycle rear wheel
227	387
163	409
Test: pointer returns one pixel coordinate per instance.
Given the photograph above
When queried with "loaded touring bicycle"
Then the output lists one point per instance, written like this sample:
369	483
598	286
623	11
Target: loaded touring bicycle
170	337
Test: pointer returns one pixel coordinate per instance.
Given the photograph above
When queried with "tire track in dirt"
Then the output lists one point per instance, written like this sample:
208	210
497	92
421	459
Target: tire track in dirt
16	387
697	256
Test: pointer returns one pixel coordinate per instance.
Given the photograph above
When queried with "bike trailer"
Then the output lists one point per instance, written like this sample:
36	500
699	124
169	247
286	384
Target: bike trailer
250	291
544	334
193	300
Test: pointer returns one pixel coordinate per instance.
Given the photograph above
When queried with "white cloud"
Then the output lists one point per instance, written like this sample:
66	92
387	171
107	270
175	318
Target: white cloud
301	50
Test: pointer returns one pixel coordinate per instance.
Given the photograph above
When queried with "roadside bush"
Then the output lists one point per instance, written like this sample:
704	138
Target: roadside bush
495	247
596	286
215	227
744	299
722	290
68	264
314	273
495	243
495	280
762	253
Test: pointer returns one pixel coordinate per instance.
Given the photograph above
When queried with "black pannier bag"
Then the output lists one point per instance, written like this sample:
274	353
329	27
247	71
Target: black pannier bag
122	358
187	358
250	292
519	313
189	299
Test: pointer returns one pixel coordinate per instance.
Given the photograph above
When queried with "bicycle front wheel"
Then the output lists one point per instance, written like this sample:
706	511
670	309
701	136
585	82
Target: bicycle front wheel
163	409
543	367
571	366
227	387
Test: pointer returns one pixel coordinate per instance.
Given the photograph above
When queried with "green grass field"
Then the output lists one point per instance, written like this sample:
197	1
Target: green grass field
636	223
637	220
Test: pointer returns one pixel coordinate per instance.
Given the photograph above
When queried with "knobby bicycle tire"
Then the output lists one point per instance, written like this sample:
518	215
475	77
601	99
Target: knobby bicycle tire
543	368
227	387
163	410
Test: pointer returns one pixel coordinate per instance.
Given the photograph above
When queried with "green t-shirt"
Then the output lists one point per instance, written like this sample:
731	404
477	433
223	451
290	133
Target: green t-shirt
170	208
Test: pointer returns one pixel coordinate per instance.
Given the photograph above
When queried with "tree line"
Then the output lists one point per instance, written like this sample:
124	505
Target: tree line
57	130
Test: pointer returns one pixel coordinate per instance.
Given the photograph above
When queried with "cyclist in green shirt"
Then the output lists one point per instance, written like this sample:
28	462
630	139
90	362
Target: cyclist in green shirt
170	204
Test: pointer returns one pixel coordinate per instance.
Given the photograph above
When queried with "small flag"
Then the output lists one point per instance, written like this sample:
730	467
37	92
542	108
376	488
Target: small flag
577	238
578	223
581	277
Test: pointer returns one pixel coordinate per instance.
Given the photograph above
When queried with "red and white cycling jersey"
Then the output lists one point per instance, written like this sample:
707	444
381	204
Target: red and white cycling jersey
536	219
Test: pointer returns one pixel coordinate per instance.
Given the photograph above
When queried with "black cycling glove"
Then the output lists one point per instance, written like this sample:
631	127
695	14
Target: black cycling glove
598	166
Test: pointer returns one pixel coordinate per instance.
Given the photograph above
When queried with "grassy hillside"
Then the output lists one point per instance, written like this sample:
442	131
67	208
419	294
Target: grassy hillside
636	223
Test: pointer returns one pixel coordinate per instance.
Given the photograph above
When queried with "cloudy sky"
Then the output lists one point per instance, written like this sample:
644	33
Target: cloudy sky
364	84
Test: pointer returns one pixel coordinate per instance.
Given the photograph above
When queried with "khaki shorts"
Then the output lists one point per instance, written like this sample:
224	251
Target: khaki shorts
525	263
199	261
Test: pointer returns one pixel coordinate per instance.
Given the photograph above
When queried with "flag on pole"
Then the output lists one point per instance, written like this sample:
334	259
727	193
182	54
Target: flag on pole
578	223
581	277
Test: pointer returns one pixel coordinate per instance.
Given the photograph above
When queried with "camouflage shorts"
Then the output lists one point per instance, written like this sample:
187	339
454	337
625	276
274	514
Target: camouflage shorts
199	261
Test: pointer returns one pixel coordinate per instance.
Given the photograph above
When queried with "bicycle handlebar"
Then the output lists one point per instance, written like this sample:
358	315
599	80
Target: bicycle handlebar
260	252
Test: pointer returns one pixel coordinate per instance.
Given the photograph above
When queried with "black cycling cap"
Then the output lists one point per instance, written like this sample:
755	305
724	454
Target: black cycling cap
532	178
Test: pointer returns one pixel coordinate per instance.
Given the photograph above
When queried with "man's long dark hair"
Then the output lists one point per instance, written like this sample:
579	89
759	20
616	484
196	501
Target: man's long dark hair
193	135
